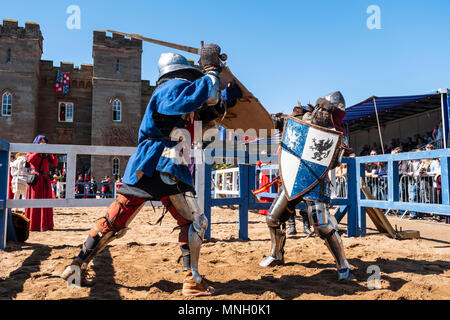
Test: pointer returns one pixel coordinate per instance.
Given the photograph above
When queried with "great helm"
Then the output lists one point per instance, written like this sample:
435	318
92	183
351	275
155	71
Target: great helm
169	62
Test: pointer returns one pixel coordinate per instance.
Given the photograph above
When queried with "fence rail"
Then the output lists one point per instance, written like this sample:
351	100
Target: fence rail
70	200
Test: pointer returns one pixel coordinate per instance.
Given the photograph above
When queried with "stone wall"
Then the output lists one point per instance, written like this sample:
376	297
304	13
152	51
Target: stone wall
20	77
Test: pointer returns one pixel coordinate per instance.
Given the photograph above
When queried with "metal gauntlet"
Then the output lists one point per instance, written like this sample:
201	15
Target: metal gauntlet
214	93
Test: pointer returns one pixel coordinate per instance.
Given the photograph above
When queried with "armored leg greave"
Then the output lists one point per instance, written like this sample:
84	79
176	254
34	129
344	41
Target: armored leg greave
291	223
306	224
326	227
188	208
275	218
112	226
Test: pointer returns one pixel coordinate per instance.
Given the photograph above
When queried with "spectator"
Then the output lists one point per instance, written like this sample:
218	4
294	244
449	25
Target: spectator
428	138
19	173
341	176
435	171
118	183
369	171
409	145
413	175
92	193
420	142
106	187
439	136
376	148
79	187
425	179
402	171
365	150
380	175
434	132
41	219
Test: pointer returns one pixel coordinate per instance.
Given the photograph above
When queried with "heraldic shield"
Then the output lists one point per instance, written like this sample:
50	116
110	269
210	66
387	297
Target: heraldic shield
307	153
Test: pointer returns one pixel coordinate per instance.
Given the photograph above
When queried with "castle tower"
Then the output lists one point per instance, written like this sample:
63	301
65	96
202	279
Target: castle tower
116	98
20	54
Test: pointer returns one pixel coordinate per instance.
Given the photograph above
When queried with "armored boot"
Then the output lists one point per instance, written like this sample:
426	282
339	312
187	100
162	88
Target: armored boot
112	226
291	224
327	227
278	238
192	288
306	224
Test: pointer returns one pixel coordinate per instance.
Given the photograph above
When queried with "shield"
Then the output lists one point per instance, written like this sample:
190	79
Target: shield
248	113
307	153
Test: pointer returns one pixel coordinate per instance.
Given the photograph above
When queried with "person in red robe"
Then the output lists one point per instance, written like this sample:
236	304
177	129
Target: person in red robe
41	219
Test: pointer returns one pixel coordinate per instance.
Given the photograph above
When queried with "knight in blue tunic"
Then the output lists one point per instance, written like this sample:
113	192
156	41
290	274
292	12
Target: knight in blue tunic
328	113
159	170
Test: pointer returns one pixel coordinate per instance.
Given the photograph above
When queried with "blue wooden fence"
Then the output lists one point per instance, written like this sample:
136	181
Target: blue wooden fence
247	201
354	205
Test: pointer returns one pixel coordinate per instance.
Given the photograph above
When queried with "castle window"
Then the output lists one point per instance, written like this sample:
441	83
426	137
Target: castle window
117	65
6	104
65	112
117	110
115	167
8	57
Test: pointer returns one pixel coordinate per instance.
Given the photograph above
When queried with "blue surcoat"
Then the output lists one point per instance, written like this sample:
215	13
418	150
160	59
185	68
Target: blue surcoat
174	97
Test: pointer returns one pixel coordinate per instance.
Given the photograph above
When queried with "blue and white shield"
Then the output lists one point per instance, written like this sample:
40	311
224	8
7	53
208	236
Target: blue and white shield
307	153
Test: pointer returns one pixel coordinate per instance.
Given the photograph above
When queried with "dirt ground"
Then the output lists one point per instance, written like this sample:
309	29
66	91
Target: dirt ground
142	264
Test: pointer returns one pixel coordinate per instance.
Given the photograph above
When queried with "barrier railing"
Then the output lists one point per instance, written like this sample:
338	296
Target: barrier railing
246	200
396	192
353	204
70	200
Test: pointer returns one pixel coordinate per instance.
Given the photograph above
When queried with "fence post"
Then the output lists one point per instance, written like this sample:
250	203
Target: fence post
445	183
393	180
251	186
243	196
4	176
356	222
71	174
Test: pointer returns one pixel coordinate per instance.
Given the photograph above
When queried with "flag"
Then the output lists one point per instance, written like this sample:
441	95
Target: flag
62	82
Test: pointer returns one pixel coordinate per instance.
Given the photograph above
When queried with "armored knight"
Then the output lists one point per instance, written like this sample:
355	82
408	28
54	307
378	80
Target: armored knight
159	170
328	113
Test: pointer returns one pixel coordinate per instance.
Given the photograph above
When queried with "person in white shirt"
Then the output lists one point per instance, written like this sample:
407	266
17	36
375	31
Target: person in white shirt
19	173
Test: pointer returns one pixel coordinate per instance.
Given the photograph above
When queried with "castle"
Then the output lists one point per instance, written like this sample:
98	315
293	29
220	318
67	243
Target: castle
104	105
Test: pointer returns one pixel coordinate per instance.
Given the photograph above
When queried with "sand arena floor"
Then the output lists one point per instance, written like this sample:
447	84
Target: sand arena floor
142	264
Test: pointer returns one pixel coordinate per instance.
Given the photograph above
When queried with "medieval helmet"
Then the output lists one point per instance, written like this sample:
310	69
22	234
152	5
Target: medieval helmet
336	99
170	62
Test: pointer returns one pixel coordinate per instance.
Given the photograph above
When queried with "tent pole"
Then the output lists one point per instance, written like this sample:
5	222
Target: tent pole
378	122
445	115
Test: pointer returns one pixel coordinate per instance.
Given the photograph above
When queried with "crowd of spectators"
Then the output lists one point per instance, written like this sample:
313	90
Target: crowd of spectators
88	188
433	137
419	181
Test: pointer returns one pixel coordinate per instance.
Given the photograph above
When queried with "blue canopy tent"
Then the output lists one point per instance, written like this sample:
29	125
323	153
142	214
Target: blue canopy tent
376	111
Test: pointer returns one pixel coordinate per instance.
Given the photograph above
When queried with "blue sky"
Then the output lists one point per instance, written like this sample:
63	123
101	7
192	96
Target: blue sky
283	51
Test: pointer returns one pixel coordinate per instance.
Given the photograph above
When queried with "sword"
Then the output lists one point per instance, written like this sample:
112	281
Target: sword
222	57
